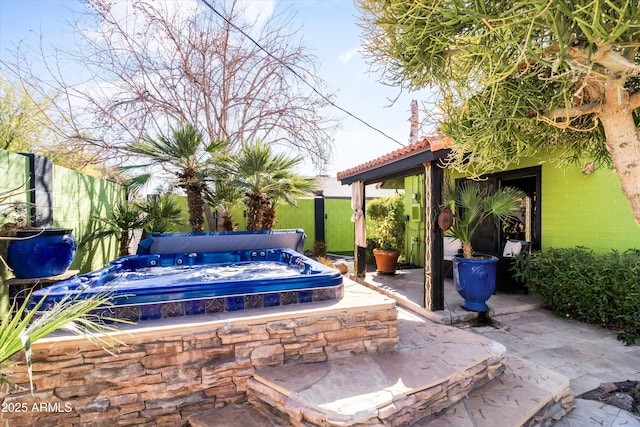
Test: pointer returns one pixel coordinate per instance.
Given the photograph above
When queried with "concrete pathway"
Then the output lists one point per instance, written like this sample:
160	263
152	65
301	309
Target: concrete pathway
586	354
406	287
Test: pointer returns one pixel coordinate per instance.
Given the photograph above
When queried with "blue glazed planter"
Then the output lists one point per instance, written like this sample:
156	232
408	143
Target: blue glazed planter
48	253
475	280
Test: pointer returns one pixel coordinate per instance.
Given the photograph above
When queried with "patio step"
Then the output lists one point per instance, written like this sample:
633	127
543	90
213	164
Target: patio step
524	395
438	376
434	367
243	415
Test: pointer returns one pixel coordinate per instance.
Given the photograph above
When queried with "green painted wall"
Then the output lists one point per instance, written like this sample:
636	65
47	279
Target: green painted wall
586	210
76	199
414	230
14	172
583	210
303	216
339	231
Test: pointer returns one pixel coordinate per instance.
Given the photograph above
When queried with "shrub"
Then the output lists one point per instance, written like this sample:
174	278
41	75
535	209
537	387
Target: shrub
387	221
603	289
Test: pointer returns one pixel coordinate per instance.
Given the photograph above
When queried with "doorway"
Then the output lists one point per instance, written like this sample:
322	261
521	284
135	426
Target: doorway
491	239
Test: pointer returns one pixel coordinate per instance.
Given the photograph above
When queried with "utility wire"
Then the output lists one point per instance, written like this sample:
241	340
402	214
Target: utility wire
295	73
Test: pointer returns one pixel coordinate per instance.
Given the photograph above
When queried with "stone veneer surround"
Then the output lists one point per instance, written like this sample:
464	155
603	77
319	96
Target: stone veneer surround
171	368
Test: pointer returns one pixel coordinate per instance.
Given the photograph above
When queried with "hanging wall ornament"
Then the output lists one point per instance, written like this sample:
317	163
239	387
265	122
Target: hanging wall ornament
445	219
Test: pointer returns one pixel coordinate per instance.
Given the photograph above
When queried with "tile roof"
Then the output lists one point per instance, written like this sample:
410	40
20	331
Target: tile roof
332	189
426	143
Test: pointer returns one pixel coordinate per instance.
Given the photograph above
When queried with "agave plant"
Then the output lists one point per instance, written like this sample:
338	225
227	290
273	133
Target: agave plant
22	327
472	204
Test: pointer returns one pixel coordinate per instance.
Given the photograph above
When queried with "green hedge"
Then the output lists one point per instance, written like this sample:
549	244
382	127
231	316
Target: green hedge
577	283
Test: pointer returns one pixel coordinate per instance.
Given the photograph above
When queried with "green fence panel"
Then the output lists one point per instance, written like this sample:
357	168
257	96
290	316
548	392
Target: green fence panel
339	230
77	200
300	217
14	173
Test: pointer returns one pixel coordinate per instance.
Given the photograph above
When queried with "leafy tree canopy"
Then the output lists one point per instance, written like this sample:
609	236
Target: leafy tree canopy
520	76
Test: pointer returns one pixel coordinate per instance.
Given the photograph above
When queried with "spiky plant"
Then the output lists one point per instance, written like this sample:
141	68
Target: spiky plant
22	327
473	204
119	223
163	214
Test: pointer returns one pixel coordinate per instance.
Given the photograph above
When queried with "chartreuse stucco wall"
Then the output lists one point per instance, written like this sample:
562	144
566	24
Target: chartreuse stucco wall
77	200
586	210
582	210
414	227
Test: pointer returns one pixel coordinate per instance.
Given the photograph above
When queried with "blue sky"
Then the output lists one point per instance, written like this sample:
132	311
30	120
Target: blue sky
328	27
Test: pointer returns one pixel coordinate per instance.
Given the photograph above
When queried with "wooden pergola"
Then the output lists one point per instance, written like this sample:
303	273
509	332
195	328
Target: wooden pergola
421	157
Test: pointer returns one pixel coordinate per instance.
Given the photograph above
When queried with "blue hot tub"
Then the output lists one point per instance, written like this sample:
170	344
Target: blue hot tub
165	285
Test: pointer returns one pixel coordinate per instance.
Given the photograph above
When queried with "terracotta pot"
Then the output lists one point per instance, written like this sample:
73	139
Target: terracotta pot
386	261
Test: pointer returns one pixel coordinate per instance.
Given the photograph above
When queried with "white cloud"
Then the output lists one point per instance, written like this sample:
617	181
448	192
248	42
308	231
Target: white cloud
346	56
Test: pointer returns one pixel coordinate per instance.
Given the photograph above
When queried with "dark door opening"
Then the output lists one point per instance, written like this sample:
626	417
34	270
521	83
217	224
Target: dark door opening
490	238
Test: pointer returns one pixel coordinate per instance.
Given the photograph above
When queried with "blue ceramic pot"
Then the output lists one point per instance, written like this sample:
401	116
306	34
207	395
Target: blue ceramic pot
475	280
41	253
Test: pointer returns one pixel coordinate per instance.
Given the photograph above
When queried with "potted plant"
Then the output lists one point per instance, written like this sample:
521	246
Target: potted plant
387	216
470	204
33	252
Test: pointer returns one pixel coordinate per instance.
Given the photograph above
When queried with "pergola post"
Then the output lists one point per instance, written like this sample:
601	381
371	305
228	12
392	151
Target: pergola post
433	241
360	245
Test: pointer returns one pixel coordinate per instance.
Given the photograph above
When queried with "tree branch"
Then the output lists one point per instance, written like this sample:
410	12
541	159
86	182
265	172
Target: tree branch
572	112
606	57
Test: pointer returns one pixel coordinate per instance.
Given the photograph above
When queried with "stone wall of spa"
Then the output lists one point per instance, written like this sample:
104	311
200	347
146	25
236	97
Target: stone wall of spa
166	373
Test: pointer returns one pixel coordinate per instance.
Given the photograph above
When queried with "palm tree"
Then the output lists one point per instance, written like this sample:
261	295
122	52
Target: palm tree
472	204
267	178
119	223
185	155
224	197
164	214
